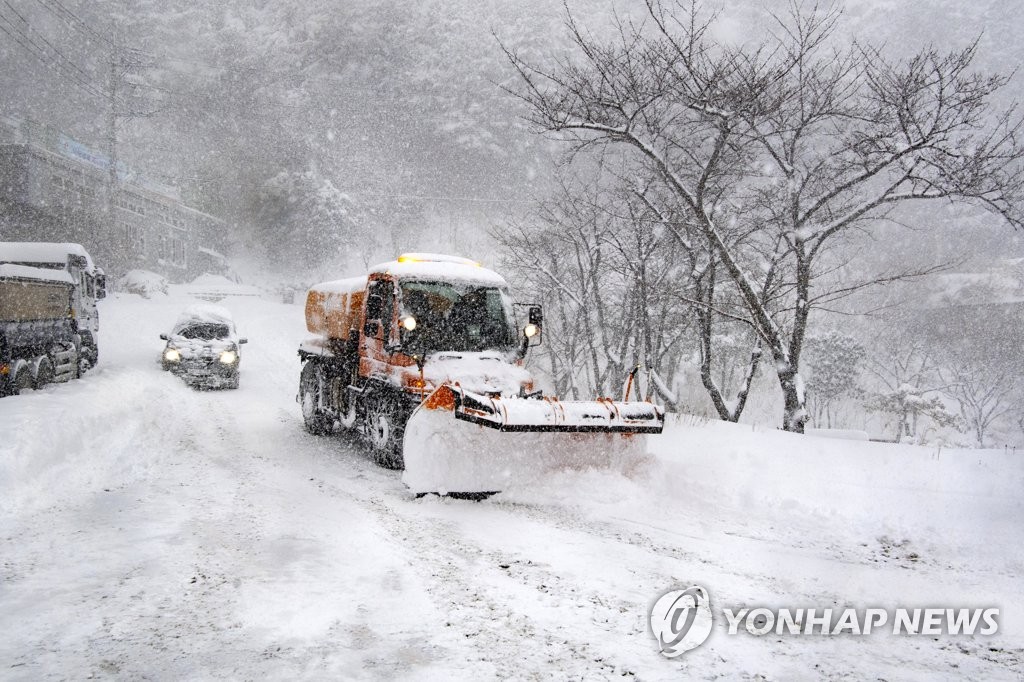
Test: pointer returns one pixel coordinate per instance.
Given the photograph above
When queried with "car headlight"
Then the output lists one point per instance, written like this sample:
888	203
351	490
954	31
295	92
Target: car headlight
172	355
228	357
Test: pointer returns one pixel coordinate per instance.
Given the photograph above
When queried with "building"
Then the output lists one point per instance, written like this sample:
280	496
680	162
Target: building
54	188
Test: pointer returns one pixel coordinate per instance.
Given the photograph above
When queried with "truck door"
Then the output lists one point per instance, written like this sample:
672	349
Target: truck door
84	299
378	328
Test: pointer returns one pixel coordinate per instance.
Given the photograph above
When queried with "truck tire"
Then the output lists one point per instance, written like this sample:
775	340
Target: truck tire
22	378
348	409
385	429
311	383
90	352
43	373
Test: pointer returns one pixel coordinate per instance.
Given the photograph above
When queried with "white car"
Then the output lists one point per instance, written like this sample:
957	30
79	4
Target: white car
203	348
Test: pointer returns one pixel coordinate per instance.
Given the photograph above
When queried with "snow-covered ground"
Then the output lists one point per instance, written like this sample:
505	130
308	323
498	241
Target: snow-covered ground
148	530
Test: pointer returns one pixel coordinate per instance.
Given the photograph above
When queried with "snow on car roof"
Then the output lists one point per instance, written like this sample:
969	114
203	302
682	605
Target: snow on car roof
440	268
43	252
204	313
9	270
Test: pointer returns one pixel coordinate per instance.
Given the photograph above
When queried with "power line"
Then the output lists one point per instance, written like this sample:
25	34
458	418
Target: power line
39	53
28	28
67	14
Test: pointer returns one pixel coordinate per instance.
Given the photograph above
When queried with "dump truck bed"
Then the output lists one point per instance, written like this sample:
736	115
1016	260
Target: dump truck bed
30	294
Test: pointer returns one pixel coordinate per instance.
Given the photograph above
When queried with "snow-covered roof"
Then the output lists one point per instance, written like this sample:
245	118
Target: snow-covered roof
440	268
9	270
204	313
50	253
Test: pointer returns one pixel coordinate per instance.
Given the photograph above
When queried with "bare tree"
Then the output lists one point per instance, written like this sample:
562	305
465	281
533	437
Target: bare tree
607	274
982	391
784	150
977	347
714	303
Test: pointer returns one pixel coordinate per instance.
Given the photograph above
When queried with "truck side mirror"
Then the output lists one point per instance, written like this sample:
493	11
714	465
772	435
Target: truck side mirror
163	336
533	330
101	285
242	340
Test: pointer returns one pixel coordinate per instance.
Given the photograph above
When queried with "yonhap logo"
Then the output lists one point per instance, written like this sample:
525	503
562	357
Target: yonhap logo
681	620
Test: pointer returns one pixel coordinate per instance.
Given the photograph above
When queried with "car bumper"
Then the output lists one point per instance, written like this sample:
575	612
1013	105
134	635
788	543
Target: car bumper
203	373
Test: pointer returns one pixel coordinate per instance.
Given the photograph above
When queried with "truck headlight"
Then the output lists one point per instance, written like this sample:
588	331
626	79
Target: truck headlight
172	355
530	330
408	322
228	357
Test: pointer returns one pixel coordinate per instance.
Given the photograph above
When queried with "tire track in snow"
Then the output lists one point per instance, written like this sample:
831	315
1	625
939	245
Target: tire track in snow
462	579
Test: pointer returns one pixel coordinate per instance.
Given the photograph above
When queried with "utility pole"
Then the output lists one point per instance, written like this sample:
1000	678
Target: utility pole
112	88
123	61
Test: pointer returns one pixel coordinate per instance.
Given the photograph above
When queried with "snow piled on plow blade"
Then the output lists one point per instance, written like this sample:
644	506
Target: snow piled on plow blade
460	442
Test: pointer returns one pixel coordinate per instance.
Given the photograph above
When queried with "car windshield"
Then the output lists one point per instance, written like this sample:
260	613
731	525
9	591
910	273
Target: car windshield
452	316
205	331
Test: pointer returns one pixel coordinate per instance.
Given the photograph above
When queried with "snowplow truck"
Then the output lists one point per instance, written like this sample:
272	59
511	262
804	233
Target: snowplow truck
423	357
48	317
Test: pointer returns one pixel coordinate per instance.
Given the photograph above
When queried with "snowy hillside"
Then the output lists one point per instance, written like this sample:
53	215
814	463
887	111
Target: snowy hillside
148	530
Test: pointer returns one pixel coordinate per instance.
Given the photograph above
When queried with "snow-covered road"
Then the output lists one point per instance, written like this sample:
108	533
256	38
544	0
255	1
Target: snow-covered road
151	531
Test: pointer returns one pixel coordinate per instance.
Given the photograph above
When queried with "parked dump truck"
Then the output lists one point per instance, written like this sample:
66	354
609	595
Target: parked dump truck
424	357
48	317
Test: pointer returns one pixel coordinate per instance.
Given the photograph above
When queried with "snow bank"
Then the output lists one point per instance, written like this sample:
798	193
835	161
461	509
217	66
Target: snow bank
966	491
842	434
216	287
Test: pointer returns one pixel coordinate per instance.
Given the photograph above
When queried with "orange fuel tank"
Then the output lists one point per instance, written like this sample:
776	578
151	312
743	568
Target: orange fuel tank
333	308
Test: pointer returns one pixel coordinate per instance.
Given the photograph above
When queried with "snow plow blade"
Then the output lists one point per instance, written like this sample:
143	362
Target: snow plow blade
460	442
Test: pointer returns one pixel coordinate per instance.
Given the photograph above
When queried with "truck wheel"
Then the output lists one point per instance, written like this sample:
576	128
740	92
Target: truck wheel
385	429
90	351
349	415
311	400
43	373
22	378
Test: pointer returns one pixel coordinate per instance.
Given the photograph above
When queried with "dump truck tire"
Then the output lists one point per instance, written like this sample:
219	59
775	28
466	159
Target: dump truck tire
22	378
311	400
385	429
43	373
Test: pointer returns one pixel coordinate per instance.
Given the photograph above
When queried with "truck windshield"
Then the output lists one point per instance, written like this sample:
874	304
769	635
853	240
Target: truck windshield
453	316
